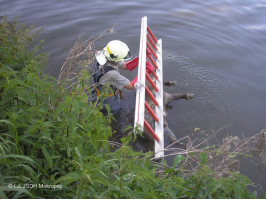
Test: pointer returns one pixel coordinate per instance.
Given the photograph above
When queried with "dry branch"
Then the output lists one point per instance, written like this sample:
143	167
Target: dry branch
222	158
80	59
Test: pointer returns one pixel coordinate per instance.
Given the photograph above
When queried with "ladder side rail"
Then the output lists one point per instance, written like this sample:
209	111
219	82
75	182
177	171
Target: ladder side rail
159	126
140	93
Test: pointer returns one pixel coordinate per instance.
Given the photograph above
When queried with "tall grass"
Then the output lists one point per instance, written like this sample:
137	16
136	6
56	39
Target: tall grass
51	137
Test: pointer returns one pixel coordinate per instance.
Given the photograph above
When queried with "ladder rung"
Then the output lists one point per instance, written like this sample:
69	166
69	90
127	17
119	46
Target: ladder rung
154	135
151	112
151	96
155	75
152	35
151	82
153	53
153	62
152	43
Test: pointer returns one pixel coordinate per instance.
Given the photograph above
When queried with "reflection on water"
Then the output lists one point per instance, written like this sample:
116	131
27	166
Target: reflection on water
213	49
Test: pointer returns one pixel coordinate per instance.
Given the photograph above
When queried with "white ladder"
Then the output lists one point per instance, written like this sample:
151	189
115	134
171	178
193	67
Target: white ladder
149	41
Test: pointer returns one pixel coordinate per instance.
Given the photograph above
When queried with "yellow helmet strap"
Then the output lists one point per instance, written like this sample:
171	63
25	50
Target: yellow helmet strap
110	53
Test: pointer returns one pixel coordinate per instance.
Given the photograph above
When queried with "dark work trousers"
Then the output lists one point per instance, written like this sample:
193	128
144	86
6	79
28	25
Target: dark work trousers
114	102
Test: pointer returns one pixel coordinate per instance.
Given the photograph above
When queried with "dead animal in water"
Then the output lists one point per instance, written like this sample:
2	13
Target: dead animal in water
168	98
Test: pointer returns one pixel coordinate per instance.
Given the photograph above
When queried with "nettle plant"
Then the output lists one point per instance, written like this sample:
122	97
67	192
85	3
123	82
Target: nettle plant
51	134
42	126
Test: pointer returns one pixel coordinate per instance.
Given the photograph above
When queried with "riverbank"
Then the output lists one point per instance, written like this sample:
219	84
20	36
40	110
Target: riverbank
57	139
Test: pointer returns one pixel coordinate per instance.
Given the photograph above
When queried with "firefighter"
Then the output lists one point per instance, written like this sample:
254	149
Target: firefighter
106	71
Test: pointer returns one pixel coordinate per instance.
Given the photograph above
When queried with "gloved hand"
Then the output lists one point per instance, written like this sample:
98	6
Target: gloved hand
149	69
134	81
132	64
138	85
148	52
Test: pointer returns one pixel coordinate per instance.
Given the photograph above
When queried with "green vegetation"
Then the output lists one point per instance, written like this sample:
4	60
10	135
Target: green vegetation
53	138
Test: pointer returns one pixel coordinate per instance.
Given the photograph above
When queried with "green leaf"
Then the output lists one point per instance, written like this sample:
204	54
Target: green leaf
164	162
78	154
233	155
171	193
203	158
26	167
108	109
68	150
127	128
7	122
2	194
177	160
47	139
60	108
47	156
68	178
26	158
8	189
81	128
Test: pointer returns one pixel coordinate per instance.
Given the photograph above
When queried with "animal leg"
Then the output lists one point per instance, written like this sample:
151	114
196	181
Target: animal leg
170	83
168	98
169	133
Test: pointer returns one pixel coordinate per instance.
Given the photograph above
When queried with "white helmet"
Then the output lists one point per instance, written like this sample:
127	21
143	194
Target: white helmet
117	51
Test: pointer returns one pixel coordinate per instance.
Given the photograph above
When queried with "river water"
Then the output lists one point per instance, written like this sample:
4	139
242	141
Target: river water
213	49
